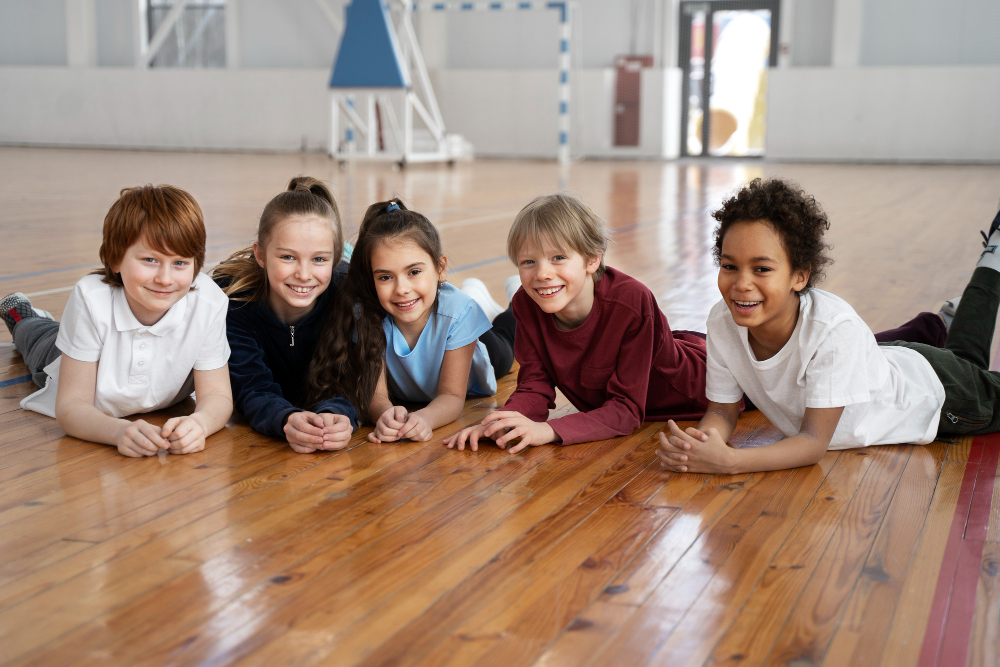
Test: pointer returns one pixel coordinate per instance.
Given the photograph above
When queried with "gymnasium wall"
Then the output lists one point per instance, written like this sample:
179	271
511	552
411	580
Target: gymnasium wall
919	84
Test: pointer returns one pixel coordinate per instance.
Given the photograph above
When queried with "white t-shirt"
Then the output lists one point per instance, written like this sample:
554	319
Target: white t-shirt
891	394
140	368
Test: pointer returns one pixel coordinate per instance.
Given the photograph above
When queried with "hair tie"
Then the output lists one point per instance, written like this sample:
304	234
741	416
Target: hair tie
393	206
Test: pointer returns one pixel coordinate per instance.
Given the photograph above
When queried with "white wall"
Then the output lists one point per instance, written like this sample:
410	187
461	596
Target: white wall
33	33
280	110
502	112
930	32
925	114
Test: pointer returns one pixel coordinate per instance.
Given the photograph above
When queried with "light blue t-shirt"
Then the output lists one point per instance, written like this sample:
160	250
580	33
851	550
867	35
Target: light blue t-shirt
413	375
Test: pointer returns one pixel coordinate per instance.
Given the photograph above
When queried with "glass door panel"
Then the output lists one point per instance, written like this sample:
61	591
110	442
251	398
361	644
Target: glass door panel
741	50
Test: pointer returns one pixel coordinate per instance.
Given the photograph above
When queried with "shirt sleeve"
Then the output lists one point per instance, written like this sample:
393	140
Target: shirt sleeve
470	324
721	385
80	335
215	347
837	374
255	393
623	411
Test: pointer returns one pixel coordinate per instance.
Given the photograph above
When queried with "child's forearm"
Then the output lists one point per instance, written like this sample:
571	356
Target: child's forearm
88	423
794	452
212	412
722	417
444	409
377	407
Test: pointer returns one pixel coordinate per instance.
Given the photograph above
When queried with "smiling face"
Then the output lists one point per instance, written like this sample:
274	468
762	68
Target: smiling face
560	281
758	283
406	282
298	261
153	280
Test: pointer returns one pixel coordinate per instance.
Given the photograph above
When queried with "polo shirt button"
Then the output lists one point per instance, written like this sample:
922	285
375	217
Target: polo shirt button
142	347
141	363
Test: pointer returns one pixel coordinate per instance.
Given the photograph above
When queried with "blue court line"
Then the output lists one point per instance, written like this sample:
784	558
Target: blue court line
42	273
476	265
94	266
13	381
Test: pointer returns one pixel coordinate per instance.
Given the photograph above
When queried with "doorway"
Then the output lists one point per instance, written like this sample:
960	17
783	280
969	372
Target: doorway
726	48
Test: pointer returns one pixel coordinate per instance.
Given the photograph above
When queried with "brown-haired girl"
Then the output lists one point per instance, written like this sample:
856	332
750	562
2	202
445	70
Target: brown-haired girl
137	335
411	335
280	290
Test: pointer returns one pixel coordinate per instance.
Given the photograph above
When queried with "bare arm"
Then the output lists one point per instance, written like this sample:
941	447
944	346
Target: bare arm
380	401
215	399
452	387
722	417
707	451
76	414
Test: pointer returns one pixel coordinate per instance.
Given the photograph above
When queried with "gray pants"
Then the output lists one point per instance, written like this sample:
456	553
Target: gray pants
35	339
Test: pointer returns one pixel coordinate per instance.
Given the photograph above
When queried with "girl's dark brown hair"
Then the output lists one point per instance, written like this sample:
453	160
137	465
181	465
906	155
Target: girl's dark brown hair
797	218
303	196
168	218
350	352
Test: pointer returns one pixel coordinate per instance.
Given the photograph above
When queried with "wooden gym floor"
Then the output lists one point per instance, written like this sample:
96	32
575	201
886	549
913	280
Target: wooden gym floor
412	554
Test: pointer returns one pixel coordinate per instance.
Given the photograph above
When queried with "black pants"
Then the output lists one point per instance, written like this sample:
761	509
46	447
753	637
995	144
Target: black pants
972	390
499	342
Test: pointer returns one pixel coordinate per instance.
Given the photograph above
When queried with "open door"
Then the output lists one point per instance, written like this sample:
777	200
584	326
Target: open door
726	48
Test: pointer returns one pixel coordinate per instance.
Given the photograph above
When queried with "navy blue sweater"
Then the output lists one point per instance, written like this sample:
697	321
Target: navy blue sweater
267	371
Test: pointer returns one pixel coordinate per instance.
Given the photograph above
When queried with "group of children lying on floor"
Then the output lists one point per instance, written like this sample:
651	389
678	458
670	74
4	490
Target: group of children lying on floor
306	346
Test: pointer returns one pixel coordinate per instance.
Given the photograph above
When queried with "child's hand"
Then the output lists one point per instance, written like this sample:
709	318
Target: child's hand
304	432
140	438
532	433
336	431
185	435
388	425
470	434
416	427
694	451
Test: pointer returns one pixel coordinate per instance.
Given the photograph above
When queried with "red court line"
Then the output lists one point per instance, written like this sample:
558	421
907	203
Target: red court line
946	638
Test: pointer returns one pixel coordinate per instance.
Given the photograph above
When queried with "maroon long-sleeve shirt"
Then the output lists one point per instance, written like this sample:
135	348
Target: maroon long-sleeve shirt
621	366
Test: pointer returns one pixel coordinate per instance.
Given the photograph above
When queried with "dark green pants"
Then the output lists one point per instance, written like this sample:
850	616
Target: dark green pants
972	391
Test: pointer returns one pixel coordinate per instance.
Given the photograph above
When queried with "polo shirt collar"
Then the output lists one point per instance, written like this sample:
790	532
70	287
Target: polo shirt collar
125	320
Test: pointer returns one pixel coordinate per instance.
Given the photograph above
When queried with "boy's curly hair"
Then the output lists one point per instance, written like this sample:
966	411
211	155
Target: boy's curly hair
794	215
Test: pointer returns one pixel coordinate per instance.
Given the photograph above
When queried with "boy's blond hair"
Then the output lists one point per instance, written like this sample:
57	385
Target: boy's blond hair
563	220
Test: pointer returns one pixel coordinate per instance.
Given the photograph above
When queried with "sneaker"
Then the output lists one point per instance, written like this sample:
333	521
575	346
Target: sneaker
476	288
14	308
511	285
947	312
993	228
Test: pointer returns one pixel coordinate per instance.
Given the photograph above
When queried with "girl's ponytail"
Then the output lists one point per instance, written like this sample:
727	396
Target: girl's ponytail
303	196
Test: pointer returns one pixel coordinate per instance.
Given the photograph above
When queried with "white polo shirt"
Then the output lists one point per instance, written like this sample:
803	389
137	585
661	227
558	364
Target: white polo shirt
140	368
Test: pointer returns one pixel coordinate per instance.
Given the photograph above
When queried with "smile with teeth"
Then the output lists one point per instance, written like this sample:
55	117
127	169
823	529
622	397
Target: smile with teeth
406	304
548	291
301	290
746	305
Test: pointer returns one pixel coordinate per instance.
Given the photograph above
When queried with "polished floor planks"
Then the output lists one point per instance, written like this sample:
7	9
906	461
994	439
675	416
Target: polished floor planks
411	554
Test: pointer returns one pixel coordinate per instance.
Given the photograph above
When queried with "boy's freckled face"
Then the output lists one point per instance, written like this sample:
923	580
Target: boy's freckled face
298	260
559	281
154	281
756	279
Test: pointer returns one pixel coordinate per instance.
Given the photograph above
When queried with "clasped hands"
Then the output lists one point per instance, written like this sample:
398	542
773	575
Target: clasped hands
503	426
179	435
692	450
398	423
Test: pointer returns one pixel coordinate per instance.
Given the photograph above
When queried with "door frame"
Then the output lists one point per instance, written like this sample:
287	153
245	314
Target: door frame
686	9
